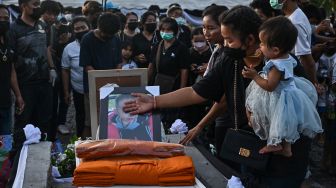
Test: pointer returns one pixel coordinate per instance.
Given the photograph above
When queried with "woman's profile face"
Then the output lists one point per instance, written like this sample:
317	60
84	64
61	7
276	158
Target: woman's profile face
231	39
126	118
211	30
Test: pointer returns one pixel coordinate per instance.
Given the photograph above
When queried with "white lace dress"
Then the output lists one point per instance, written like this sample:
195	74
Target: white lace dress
286	112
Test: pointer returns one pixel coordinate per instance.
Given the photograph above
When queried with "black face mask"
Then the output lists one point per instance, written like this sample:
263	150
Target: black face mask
234	52
4	27
36	13
80	35
132	25
150	27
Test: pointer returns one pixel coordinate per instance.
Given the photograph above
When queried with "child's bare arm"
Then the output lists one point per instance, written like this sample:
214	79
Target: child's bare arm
274	77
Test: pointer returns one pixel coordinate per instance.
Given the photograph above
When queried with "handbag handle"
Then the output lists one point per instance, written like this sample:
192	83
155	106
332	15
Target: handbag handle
235	94
158	55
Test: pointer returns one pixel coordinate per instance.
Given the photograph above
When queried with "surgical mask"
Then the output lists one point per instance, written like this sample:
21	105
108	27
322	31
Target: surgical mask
234	52
36	13
181	21
150	27
4	27
199	45
166	36
80	35
132	25
275	4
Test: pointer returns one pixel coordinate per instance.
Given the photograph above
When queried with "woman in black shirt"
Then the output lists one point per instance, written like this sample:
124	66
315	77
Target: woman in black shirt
143	42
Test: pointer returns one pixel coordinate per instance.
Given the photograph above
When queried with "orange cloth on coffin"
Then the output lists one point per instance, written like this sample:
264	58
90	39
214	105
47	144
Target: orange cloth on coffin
112	147
136	170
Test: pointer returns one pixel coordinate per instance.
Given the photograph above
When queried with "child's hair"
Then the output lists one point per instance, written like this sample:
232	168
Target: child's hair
123	97
126	44
243	20
279	32
197	31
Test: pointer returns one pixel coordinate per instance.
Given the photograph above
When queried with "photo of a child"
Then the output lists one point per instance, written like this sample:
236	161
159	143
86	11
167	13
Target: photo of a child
123	125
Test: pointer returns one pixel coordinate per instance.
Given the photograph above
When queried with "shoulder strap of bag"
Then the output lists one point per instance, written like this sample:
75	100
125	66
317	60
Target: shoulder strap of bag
158	55
235	94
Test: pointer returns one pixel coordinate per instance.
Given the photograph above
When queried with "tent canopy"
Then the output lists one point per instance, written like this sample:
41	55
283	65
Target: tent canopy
131	4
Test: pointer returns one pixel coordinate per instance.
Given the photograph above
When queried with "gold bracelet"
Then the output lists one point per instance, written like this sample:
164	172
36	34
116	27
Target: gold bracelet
154	105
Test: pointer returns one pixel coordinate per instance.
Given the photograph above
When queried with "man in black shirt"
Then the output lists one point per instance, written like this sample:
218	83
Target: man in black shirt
100	50
29	41
7	76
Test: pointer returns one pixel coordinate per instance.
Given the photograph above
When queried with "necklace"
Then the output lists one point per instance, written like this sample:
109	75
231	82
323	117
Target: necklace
4	57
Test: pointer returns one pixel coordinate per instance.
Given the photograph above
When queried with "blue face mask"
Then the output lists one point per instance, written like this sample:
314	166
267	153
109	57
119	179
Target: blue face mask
275	4
181	21
166	36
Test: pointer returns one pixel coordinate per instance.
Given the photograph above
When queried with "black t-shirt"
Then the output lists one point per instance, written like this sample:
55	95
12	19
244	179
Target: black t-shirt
101	55
143	46
219	81
184	35
6	60
198	59
30	47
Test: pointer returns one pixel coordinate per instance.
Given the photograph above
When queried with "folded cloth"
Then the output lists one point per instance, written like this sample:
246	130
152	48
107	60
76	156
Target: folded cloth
136	170
94	149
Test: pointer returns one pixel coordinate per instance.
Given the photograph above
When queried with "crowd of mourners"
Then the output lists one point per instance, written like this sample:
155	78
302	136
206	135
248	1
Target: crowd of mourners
283	52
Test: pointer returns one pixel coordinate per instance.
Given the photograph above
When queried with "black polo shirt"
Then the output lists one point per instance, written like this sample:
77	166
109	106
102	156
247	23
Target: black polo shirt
173	59
143	46
6	60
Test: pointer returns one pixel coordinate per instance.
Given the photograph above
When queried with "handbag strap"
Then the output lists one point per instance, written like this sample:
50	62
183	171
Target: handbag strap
158	55
235	94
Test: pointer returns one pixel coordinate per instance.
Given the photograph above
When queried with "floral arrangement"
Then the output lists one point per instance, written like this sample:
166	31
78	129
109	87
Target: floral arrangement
65	161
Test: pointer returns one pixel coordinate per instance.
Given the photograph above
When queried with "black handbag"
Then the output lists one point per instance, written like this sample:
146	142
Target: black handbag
165	82
243	146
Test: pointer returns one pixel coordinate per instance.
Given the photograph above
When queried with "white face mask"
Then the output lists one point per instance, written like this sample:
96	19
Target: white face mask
199	45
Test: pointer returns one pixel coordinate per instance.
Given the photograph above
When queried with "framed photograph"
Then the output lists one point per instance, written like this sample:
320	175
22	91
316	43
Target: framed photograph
115	123
99	78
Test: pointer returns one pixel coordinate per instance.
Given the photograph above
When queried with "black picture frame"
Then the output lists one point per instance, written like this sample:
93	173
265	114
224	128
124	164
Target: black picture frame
146	127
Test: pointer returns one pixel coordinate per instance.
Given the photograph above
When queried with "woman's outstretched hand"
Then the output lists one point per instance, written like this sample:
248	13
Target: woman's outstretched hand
191	135
141	104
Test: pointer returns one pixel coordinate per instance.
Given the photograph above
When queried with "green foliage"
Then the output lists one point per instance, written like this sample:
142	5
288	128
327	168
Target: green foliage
66	162
328	5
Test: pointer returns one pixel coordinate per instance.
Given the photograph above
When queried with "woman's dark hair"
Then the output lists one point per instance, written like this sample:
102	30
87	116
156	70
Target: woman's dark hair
80	19
4	7
312	11
126	44
214	11
264	6
145	16
154	8
131	14
91	7
279	32
243	20
197	31
109	23
50	6
122	19
172	24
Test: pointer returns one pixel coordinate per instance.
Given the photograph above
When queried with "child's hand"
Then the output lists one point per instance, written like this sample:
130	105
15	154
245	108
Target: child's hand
250	73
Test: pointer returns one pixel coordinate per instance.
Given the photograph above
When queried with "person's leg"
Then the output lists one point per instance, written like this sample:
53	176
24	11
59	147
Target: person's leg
62	107
80	112
5	120
44	111
87	128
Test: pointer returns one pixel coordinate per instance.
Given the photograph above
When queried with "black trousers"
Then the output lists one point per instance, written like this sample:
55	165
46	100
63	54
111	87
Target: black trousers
80	112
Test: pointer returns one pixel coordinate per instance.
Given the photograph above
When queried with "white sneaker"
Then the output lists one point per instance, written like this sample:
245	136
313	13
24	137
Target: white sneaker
63	129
